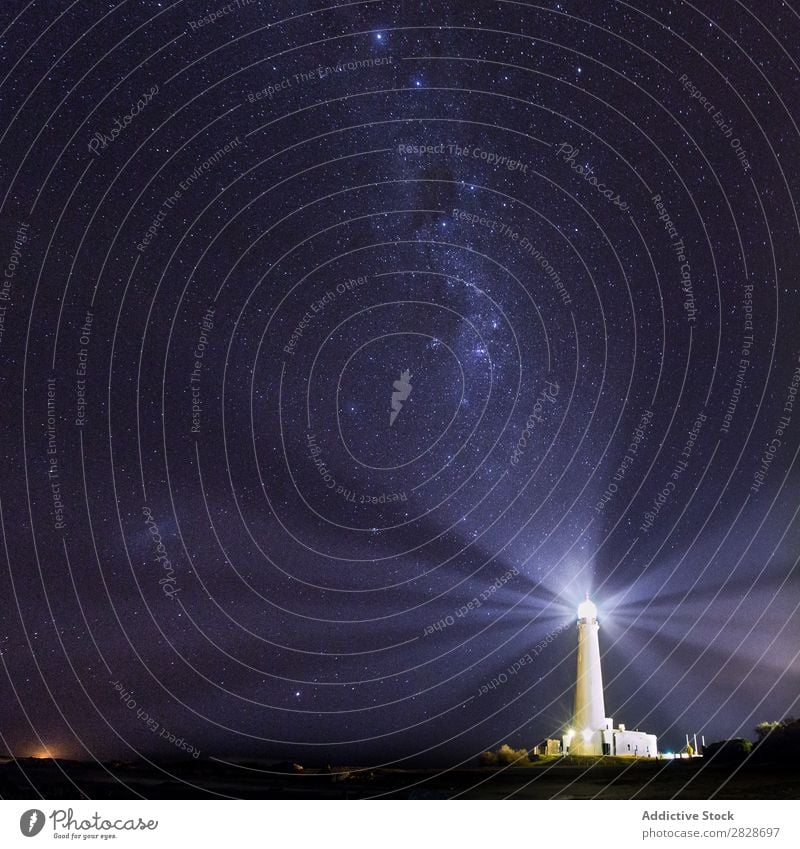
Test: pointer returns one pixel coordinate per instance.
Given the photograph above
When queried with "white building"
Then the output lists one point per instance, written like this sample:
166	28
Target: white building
592	732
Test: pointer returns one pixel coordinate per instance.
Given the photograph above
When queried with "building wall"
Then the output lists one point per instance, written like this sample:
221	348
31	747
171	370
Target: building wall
635	743
578	744
549	747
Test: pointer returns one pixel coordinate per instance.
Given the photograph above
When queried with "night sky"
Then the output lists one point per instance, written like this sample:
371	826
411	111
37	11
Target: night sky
344	348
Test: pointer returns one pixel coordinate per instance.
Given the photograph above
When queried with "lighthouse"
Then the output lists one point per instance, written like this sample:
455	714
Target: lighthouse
591	731
589	715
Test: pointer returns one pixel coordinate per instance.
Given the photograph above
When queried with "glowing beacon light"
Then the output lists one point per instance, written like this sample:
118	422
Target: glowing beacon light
587	609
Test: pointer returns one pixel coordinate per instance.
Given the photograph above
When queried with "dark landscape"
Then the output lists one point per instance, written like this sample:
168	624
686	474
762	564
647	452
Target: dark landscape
547	778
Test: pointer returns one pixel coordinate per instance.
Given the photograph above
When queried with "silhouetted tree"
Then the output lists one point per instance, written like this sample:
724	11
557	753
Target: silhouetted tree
778	742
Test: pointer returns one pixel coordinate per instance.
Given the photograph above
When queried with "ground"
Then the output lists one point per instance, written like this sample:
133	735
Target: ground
560	778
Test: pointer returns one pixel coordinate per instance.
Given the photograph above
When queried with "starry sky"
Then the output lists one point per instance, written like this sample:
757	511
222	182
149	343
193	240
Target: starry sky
345	346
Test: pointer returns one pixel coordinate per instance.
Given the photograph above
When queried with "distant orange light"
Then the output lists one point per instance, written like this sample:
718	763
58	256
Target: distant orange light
44	754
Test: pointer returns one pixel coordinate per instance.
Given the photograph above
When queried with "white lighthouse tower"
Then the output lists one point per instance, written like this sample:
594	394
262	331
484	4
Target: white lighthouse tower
589	716
592	732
